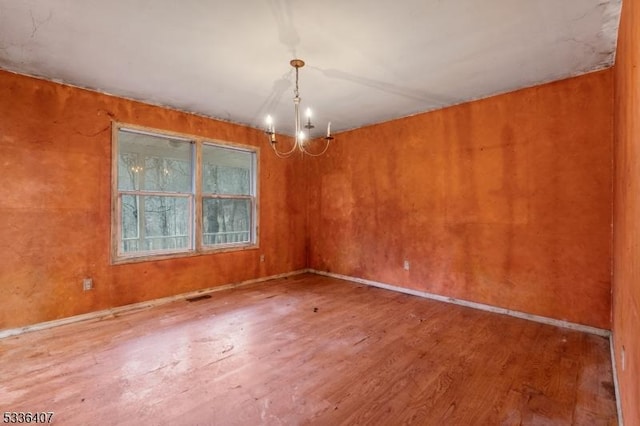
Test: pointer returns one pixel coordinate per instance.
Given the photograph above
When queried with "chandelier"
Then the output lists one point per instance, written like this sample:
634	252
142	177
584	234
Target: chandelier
301	138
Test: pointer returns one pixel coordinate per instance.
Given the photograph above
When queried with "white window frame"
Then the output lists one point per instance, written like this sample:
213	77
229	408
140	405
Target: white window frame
195	198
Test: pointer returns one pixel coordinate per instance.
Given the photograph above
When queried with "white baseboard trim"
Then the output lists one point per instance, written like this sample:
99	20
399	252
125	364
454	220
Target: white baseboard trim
157	302
474	305
138	306
616	384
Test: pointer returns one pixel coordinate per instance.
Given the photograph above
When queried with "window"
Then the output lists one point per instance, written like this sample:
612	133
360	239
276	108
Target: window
227	203
177	196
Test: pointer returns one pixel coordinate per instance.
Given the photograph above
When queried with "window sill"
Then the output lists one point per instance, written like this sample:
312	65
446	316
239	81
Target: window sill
204	251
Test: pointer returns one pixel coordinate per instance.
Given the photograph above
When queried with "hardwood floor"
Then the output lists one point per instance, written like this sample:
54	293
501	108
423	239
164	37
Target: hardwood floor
309	350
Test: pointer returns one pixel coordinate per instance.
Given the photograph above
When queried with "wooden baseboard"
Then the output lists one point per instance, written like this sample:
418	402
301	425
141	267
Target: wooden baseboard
137	306
616	384
475	305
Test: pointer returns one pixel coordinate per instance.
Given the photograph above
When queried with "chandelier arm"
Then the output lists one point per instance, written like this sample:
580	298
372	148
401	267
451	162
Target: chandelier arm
326	147
284	154
279	155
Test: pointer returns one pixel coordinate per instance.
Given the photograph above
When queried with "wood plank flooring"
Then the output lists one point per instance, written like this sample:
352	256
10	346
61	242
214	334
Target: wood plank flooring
309	350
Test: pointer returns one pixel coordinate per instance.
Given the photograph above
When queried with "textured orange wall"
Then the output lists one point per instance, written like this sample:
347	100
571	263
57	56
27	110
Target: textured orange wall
626	248
55	144
504	201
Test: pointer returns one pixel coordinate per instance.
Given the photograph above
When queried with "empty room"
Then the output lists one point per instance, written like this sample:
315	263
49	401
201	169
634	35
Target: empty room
342	212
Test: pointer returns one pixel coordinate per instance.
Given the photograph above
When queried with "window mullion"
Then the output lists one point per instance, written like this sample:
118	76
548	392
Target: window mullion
198	231
158	194
228	196
140	203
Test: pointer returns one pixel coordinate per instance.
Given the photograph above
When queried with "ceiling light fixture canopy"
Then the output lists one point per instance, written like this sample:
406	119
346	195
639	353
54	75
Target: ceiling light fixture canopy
301	139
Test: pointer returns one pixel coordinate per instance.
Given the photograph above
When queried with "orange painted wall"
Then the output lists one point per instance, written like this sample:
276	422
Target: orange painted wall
626	248
55	145
504	201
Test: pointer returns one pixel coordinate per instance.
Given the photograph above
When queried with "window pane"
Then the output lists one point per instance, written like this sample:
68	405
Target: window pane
165	174
128	171
130	224
226	221
226	170
153	163
154	223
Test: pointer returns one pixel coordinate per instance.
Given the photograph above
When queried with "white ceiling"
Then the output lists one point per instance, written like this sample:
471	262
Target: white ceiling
367	60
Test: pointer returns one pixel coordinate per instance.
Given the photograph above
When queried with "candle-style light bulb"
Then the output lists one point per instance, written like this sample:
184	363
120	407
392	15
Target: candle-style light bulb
271	129
329	130
308	126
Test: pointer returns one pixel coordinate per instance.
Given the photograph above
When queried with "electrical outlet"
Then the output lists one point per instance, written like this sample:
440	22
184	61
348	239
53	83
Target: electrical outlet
262	258
406	265
87	284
